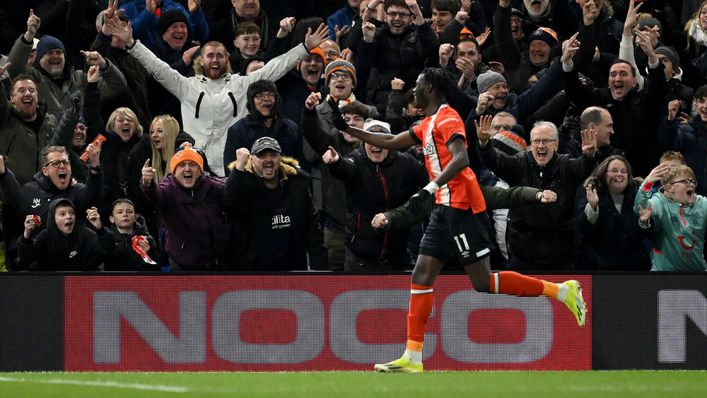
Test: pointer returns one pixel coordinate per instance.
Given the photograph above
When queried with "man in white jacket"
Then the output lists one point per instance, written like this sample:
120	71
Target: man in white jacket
215	99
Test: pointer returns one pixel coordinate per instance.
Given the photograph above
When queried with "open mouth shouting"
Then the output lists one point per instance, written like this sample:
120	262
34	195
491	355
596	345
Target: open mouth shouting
126	132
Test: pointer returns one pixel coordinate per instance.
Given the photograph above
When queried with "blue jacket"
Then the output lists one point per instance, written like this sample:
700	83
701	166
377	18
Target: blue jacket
145	23
342	17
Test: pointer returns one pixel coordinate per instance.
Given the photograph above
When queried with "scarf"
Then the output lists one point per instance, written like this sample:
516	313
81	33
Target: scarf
697	33
346	101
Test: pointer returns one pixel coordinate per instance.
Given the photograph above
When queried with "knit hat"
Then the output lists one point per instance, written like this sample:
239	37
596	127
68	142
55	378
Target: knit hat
466	34
509	142
47	43
315	51
488	79
518	13
265	144
340	64
547	35
171	17
670	54
376	126
188	153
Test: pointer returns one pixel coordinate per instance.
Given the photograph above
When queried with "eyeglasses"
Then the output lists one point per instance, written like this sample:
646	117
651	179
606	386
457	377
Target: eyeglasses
57	163
340	76
618	171
394	14
686	181
543	141
264	96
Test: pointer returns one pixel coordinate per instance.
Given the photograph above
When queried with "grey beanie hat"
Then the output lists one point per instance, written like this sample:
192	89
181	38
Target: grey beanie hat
488	79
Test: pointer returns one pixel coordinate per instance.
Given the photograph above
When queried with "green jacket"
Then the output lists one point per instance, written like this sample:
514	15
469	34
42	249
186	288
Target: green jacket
20	143
495	197
679	243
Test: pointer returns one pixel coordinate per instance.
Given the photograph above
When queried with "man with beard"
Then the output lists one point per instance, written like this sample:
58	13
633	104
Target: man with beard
270	199
541	237
265	119
214	99
55	79
467	62
53	181
191	210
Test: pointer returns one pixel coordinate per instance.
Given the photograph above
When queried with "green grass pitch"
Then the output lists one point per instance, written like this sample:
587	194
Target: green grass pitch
671	384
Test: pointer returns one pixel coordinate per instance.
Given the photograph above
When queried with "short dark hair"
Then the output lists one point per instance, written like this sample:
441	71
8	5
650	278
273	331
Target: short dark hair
389	3
21	77
356	108
701	92
121	200
452	6
409	96
623	61
469	39
246	28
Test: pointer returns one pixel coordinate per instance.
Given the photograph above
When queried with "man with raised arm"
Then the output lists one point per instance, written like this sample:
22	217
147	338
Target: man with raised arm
214	99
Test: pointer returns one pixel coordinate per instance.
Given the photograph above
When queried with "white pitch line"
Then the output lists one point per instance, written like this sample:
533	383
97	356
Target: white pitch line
107	384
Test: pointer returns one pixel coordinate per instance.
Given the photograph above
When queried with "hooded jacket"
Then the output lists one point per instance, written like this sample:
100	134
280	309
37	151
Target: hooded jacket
82	250
34	198
210	107
279	227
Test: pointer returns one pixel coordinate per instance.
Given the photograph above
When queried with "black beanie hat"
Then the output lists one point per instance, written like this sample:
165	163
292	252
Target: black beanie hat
169	18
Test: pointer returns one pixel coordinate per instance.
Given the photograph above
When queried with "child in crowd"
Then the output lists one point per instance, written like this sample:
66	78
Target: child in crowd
134	248
680	215
64	245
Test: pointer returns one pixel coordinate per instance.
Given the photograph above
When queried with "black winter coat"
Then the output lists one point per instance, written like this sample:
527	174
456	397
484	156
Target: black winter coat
373	188
542	234
278	227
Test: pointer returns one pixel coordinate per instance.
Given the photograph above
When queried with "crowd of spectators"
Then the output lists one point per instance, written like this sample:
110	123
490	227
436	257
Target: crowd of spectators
202	135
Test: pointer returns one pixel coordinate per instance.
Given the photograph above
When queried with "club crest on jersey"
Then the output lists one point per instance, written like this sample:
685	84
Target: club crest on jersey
429	149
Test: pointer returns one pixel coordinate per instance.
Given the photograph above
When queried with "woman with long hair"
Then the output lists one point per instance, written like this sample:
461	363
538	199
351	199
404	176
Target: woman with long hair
611	238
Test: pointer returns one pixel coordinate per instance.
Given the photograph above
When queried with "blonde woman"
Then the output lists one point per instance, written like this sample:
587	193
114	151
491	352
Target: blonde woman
696	32
159	145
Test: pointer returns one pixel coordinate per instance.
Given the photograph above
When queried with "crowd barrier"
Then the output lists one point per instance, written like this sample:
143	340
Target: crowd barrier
307	322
